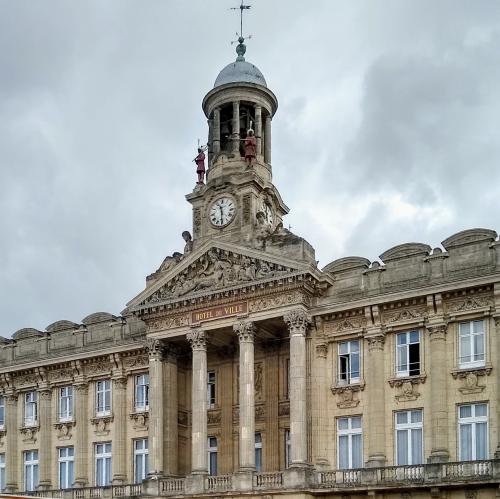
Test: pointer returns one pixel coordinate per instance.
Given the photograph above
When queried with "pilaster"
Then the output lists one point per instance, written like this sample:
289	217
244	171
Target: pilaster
81	416
119	392
45	452
11	461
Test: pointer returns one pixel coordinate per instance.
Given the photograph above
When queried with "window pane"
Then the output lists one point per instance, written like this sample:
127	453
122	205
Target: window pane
401	417
465	411
401	339
479	347
356	422
478	326
481	441
414	337
402	362
481	410
355	346
465	442
343	348
464	328
355	365
416	416
416	446
402	447
343	423
343	451
465	353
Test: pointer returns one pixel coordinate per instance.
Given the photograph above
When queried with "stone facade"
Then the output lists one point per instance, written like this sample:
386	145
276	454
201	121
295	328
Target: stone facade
243	369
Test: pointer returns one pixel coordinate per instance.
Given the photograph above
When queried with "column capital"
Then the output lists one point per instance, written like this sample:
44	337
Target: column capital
11	397
245	331
120	382
155	348
297	322
81	387
376	342
45	393
197	339
437	332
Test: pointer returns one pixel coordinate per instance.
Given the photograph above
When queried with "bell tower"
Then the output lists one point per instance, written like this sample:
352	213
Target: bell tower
239	198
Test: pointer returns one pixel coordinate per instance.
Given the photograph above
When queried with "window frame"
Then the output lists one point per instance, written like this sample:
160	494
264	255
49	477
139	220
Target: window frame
473	363
68	463
106	457
409	428
473	421
212	450
67	404
142	455
349	432
32	407
211	389
288	448
2	413
350	380
407	373
33	465
2	472
99	412
258	452
138	388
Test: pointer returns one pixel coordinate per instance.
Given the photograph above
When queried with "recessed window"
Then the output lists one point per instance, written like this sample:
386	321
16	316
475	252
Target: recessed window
473	432
348	362
212	456
30	408
66	467
258	452
103	464
211	389
2	412
408	353
103	397
30	470
141	456
2	472
66	403
472	352
288	449
142	392
349	442
409	443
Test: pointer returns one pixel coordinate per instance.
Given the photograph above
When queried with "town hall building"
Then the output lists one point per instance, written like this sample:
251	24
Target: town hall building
243	369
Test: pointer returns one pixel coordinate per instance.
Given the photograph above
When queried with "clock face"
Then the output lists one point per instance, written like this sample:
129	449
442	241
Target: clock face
222	212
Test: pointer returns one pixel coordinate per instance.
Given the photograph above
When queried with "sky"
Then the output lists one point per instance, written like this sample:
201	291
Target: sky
387	132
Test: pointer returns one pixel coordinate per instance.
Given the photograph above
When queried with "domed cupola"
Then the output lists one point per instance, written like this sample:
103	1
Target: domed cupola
240	102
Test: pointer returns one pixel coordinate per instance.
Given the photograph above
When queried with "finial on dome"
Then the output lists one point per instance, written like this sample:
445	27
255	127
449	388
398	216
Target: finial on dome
241	48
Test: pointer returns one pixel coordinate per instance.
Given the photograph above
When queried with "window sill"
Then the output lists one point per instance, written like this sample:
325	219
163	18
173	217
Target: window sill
472	367
359	386
398	381
141	410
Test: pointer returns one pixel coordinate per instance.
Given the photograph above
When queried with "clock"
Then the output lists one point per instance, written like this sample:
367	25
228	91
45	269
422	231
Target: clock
268	213
222	211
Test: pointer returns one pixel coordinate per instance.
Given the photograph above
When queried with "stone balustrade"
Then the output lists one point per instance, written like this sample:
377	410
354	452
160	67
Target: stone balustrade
435	475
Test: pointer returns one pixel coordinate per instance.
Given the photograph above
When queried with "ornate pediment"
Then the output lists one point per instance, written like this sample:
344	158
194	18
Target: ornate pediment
214	268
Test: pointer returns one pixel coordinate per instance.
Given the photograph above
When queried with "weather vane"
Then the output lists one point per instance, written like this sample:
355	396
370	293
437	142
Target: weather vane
241	8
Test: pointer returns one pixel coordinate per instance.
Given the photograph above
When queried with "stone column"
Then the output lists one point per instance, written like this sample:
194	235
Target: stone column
119	392
199	457
246	332
170	435
439	403
45	448
216	132
258	129
297	322
321	418
236	127
155	350
11	457
375	422
82	446
267	140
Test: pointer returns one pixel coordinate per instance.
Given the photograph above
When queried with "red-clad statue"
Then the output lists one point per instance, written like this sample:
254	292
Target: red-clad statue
250	145
200	165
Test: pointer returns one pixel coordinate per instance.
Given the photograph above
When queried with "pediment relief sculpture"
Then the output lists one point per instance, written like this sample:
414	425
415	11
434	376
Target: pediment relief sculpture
217	269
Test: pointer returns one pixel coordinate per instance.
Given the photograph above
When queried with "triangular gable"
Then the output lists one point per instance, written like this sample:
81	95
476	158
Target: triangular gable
214	267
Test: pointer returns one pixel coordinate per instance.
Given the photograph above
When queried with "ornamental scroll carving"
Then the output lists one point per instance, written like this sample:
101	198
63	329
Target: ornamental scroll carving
278	300
407	387
470	303
216	270
63	430
297	321
405	315
471	379
29	433
197	339
169	322
348	395
140	421
245	331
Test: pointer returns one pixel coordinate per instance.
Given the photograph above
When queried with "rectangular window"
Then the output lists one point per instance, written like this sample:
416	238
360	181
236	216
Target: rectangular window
2	472
30	470
103	397
348	362
212	456
103	464
30	408
408	438
473	432
66	403
288	449
211	389
258	452
472	352
66	467
2	412
141	453
349	443
142	392
408	353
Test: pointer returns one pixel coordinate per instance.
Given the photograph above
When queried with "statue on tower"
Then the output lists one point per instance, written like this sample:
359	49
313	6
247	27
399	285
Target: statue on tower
250	145
200	165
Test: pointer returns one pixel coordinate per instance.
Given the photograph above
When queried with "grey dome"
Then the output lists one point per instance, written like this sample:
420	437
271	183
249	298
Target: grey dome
240	71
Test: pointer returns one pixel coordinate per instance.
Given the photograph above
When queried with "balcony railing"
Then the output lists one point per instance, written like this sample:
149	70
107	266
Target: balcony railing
425	475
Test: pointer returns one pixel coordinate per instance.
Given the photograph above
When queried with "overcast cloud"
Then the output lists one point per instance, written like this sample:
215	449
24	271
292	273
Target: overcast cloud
387	132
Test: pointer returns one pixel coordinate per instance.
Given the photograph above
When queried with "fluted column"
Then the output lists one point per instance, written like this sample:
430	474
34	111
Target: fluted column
258	129
81	434
236	126
246	333
45	452
119	392
375	422
199	457
439	400
297	322
267	140
11	464
216	132
155	350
